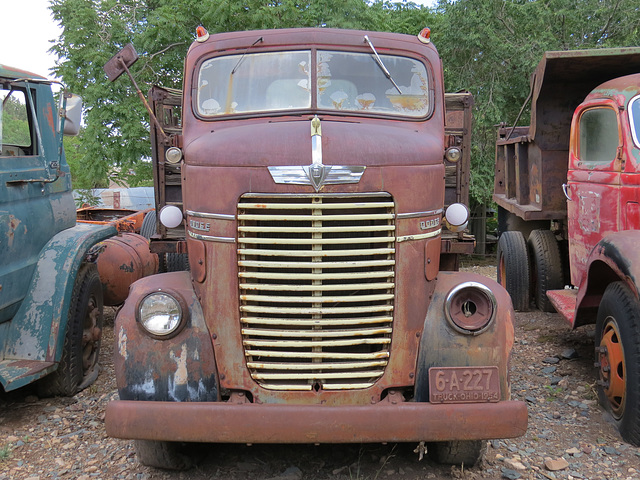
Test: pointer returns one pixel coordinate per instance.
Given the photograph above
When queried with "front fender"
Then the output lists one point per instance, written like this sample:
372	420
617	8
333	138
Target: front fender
180	368
37	330
442	346
614	258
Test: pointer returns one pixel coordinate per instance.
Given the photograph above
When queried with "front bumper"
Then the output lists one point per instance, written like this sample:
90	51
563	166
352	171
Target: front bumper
217	422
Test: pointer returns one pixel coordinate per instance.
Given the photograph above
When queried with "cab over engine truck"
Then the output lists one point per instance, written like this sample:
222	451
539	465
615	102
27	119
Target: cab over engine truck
51	294
306	178
568	184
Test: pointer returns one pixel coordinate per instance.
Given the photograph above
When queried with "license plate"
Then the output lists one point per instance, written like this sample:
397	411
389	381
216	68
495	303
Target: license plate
464	384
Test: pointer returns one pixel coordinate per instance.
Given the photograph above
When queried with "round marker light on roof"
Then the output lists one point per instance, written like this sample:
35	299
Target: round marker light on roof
170	216
201	34
456	217
425	35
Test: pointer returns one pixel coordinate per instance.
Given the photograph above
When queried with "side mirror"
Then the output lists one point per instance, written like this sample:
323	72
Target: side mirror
73	115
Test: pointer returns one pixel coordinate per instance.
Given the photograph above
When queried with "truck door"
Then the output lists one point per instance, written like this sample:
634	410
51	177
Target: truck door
33	205
593	180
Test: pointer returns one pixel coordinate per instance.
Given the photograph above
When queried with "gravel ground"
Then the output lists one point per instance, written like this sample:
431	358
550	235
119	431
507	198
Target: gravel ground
569	435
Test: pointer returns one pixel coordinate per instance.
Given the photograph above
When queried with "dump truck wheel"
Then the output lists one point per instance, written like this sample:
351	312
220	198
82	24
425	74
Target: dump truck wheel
166	455
458	452
513	268
546	267
618	358
79	367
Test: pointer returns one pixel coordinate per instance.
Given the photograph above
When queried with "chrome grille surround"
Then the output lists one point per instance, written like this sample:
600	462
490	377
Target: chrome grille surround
316	279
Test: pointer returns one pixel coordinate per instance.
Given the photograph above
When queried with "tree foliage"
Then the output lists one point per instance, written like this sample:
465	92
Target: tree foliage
489	47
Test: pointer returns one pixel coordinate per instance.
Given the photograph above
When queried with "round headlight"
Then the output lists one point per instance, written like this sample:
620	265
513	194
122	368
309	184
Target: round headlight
173	155
453	154
160	314
470	308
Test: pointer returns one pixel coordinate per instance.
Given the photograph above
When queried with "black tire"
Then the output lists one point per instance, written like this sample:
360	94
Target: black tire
513	269
546	267
177	262
458	452
148	225
79	364
618	359
166	455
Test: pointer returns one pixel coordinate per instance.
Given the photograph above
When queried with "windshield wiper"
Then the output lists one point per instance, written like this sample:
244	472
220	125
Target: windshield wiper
381	65
244	53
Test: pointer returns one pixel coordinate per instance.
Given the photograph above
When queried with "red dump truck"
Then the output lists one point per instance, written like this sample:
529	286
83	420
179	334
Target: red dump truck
567	187
317	191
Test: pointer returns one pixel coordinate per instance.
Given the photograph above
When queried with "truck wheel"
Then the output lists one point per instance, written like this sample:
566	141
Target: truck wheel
618	358
147	230
513	268
177	262
458	452
79	367
546	264
148	225
167	455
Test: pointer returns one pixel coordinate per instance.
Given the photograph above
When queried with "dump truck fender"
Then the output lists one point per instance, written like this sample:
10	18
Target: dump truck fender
37	330
614	258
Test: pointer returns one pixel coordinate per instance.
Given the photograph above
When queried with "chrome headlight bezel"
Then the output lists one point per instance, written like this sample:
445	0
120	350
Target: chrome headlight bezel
471	308
158	304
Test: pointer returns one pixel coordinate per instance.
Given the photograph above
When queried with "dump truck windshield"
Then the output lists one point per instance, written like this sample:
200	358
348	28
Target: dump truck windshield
283	81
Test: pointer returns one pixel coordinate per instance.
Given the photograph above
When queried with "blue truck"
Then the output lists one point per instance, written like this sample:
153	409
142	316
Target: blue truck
51	300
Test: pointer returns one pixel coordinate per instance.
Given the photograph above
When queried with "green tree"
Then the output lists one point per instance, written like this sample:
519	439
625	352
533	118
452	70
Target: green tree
491	47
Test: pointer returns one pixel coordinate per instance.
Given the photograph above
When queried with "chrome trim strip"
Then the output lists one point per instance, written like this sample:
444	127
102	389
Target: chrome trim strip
210	238
419	214
319	195
216	216
422	236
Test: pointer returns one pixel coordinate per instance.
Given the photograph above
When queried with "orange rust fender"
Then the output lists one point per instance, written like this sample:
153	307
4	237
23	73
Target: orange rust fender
180	368
442	346
614	258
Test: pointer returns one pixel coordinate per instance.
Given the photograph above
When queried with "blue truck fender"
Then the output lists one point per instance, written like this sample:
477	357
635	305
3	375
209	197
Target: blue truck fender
34	340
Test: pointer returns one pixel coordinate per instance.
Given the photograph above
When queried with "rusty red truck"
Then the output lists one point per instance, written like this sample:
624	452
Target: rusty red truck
569	182
317	190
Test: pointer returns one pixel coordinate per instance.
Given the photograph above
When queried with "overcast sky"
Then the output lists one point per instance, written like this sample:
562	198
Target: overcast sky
26	32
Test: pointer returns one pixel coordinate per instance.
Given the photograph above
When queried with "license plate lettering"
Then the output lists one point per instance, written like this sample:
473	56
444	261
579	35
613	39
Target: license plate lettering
464	384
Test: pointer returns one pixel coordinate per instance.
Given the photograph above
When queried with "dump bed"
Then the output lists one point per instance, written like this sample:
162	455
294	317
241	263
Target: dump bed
531	162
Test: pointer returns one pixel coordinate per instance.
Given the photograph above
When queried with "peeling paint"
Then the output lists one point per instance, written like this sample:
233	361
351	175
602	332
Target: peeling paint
181	375
122	344
13	226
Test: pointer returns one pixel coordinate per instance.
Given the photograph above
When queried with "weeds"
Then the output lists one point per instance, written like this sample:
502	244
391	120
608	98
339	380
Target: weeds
5	452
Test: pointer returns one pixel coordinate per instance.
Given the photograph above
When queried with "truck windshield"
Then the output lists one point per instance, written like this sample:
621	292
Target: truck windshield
282	81
634	119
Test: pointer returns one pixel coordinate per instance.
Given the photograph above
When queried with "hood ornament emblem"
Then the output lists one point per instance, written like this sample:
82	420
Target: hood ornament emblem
317	175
